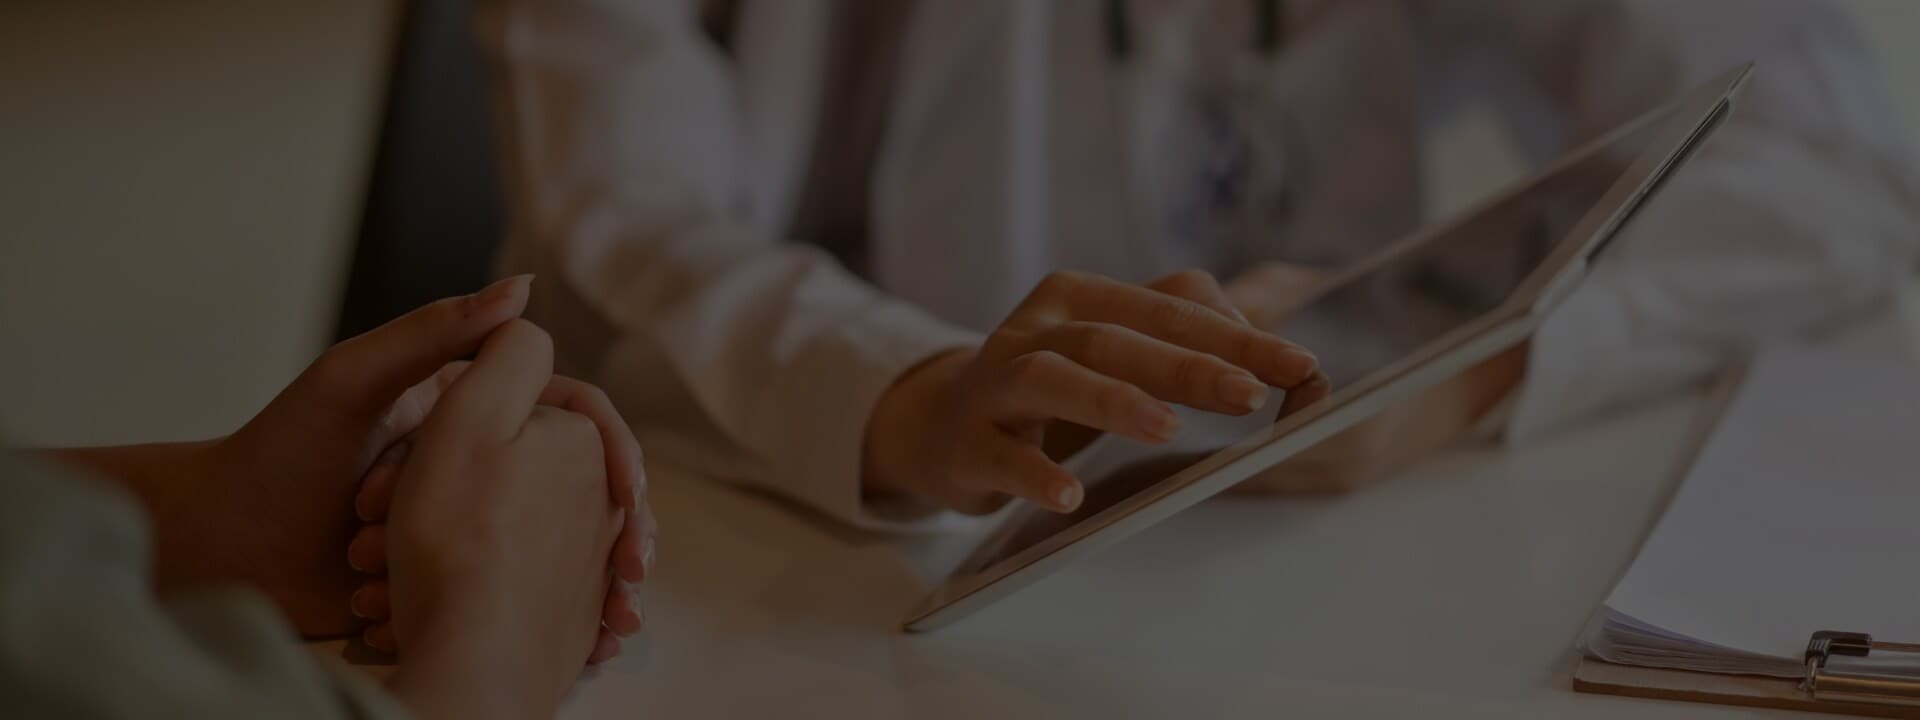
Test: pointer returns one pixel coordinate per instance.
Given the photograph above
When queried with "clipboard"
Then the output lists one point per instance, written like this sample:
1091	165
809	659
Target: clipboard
1821	689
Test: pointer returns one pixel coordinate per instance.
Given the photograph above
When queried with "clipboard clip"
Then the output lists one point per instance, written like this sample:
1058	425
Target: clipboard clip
1824	684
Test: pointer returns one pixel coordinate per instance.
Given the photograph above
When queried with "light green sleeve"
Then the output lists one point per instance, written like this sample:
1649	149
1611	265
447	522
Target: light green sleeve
82	634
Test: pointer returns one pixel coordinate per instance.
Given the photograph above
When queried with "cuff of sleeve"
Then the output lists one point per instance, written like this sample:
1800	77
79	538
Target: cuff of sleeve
847	368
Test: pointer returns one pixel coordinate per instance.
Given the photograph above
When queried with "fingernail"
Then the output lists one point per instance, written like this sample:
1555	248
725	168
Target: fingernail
1295	362
358	604
1242	391
646	558
1067	497
1158	423
355	551
632	603
500	291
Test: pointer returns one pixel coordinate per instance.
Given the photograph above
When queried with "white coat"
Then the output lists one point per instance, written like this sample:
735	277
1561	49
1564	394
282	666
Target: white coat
656	180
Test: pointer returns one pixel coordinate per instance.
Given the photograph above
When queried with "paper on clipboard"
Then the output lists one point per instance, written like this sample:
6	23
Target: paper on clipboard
1801	514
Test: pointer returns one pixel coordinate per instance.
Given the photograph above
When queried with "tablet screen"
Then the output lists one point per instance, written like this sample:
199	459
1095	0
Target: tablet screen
1375	314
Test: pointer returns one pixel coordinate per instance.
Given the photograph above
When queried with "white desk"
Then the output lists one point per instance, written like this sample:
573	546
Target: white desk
1455	591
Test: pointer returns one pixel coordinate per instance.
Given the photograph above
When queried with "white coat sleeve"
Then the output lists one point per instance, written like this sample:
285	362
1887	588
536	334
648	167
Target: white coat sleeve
1802	212
637	184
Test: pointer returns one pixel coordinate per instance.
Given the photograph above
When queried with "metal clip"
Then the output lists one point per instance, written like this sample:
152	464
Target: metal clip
1827	685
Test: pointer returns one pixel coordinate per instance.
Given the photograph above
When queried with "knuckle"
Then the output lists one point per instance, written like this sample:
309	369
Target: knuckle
333	368
1061	281
1194	370
1004	341
1190	282
524	333
596	395
1116	401
592	395
579	428
1031	367
1250	345
451	308
1084	339
1177	314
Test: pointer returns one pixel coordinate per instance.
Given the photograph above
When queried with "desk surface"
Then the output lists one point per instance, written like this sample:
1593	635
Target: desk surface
1457	590
1454	591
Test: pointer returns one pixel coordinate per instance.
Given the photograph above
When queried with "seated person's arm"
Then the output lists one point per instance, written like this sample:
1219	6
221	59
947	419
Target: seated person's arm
272	506
491	553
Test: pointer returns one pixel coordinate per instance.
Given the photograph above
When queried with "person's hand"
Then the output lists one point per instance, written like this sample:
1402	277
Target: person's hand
499	534
271	506
1387	442
1080	356
622	615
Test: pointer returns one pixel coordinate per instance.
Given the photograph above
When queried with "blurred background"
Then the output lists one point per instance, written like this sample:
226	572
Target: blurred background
185	188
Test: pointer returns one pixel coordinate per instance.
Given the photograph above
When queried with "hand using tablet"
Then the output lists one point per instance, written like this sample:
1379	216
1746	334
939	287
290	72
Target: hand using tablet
1387	442
1082	355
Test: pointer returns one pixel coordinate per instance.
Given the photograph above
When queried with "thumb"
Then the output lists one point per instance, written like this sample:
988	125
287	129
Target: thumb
368	372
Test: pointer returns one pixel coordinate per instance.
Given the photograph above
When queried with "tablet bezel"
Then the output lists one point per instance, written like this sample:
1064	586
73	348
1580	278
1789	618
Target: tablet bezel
1504	327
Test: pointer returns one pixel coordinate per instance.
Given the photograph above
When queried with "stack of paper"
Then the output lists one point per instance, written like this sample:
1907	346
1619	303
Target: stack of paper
1801	514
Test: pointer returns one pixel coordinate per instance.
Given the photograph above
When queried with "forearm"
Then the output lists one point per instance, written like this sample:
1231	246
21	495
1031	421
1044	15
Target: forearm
141	469
179	487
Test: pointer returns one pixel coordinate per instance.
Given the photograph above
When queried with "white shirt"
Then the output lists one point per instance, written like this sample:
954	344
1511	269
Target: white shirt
654	177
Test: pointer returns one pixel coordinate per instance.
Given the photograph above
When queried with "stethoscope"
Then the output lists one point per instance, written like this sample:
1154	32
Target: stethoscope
1224	182
1269	26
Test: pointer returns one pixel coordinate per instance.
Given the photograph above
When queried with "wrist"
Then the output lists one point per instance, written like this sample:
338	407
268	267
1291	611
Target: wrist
891	449
144	470
458	660
445	681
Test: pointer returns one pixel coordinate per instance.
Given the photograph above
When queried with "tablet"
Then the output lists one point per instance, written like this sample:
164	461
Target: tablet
1427	308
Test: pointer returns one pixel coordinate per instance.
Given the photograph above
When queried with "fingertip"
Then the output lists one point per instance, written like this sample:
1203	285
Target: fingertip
1155	422
606	647
1313	390
1242	392
630	556
1296	365
380	637
1068	496
370	602
505	298
375	497
367	553
622	613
